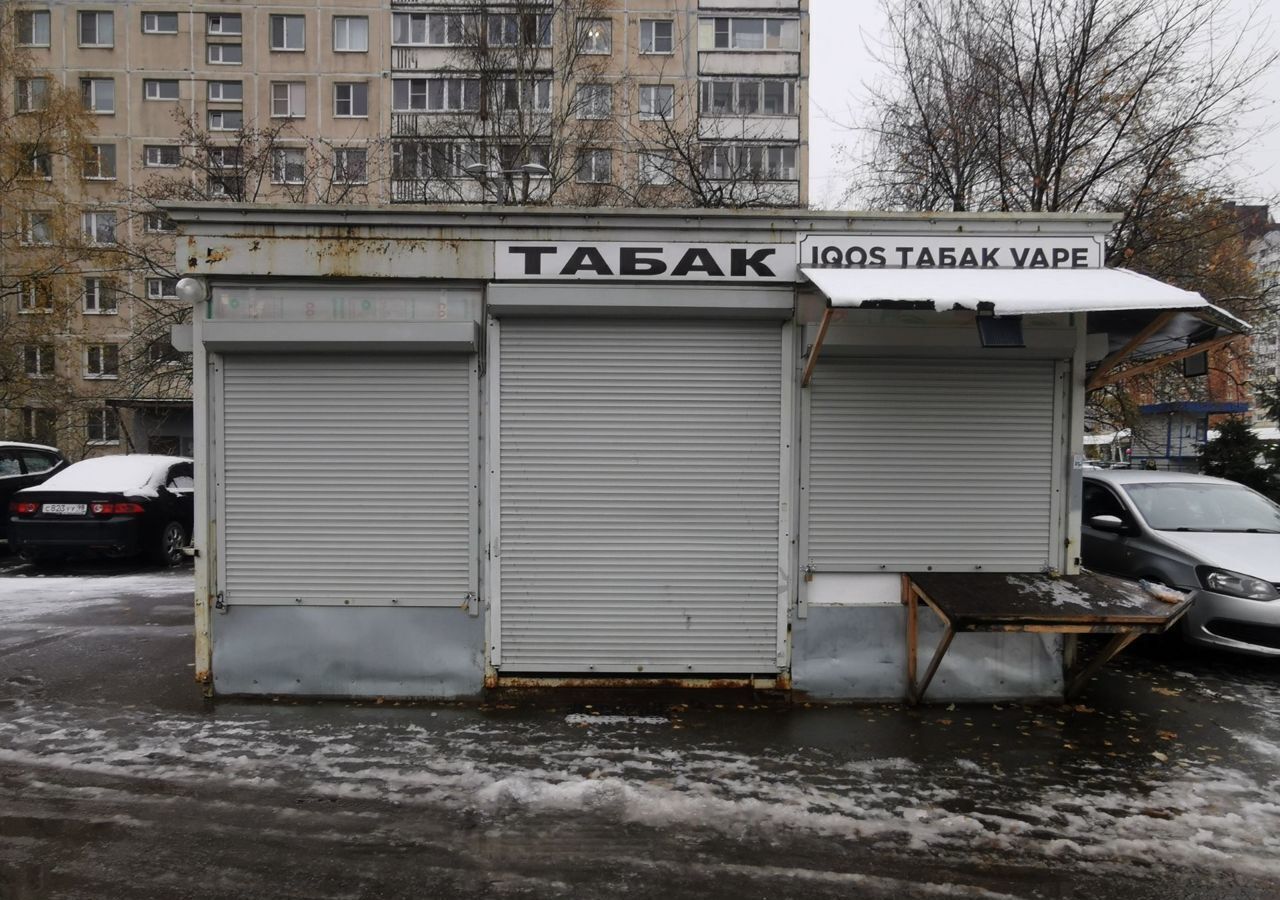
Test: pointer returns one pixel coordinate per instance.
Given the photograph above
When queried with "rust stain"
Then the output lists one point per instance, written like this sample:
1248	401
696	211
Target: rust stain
217	255
204	676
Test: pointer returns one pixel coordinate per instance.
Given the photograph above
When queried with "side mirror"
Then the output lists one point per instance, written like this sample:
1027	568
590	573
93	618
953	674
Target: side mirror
1109	523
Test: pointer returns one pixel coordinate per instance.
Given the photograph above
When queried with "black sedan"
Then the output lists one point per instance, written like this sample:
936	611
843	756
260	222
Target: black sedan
25	465
110	506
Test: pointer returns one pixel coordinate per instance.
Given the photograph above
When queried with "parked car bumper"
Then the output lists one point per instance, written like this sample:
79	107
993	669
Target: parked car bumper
115	536
1234	623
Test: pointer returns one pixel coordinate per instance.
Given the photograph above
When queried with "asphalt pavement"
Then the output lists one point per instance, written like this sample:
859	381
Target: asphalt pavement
118	779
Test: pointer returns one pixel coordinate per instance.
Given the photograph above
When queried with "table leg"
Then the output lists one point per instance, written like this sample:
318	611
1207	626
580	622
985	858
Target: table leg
913	615
918	693
1117	643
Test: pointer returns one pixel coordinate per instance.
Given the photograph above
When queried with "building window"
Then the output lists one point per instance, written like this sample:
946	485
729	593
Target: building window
350	34
35	295
754	162
512	93
223	25
38	425
99	297
288	165
31	94
102	426
518	29
351	99
226	54
225	119
33	27
162	289
428	29
161	156
433	159
37	360
158	223
595	36
102	361
99	227
35	161
159	23
288	100
435	94
97	29
160	89
657	101
162	353
99	95
225	91
748	97
350	166
594	101
288	33
37	227
594	166
754	34
100	162
656	169
657	36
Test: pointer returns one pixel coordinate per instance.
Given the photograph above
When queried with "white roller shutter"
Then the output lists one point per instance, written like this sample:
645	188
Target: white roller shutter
347	479
639	491
943	463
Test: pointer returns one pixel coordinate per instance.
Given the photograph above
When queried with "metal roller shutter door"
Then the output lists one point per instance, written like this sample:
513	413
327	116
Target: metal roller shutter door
639	492
930	463
347	479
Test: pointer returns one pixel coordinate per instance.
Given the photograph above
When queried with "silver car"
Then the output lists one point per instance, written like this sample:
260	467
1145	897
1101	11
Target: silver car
1195	533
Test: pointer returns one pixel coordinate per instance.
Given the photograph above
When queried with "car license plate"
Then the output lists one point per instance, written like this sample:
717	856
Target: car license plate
64	509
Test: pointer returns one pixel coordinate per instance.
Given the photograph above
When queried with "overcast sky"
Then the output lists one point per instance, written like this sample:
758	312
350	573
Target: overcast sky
843	36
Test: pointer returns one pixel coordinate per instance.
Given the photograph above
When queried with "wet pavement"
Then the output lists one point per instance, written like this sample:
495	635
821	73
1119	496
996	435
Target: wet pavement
117	779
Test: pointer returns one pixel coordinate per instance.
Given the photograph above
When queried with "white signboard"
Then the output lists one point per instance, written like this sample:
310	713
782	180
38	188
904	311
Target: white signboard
928	251
642	260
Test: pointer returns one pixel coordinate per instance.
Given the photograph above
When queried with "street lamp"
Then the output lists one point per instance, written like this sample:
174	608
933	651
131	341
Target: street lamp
480	172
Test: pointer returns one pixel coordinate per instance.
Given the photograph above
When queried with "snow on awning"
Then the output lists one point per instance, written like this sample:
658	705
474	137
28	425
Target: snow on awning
1003	292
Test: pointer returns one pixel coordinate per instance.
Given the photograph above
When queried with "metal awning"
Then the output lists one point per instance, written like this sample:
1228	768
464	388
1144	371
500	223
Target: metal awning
1145	319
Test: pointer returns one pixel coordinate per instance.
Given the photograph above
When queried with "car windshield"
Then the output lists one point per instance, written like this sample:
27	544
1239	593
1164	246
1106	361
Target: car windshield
1189	506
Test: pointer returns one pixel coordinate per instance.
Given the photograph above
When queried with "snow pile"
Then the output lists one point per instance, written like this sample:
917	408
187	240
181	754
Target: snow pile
29	599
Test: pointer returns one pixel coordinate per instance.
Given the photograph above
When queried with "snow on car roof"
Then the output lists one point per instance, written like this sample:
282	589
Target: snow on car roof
137	473
1149	476
9	445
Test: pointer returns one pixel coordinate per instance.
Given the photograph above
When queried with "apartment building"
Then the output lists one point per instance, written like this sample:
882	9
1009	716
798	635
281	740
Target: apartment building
564	102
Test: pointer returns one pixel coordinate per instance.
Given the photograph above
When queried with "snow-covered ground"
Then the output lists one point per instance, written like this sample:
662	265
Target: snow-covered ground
951	795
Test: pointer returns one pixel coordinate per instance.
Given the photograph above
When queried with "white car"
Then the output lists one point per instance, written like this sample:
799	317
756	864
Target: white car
1216	538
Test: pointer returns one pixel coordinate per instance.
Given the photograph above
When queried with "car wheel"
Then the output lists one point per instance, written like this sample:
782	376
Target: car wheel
168	550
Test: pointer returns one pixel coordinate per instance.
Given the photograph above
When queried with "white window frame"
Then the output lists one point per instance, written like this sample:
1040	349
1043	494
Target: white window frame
731	35
539	89
220	51
156	288
28	27
152	89
507	29
152	160
97	16
342	34
31	94
593	42
34	219
158	223
99	298
102	427
468	94
284	160
219	24
35	295
649	100
101	362
654	169
100	162
733	165
91	90
352	88
707	91
215	91
341	168
220	115
45	357
589	104
597	162
151	23
432	159
649	37
36	162
293	33
422	29
288	99
93	222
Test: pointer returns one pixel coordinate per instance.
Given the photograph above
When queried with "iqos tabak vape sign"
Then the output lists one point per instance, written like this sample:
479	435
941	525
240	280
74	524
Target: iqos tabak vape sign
642	260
